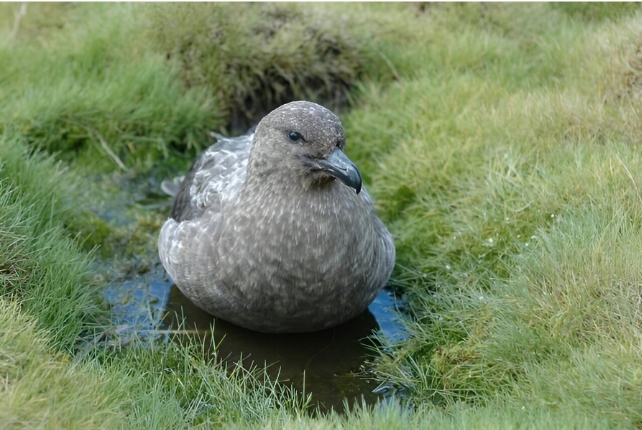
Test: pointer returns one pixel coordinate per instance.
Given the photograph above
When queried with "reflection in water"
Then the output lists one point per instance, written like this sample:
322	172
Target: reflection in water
329	360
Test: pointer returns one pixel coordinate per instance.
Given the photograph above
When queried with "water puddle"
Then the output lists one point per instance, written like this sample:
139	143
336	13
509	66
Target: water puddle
331	365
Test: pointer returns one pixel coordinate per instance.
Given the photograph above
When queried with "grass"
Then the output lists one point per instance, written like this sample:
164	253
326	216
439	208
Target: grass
35	250
280	53
501	143
516	207
94	89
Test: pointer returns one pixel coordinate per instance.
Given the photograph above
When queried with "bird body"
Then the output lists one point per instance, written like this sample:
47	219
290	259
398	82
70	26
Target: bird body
273	231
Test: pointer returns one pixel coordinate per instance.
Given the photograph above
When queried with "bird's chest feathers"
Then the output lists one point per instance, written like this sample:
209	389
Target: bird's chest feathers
295	231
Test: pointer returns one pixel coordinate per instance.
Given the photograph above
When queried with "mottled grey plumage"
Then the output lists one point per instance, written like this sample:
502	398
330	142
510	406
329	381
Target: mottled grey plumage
263	234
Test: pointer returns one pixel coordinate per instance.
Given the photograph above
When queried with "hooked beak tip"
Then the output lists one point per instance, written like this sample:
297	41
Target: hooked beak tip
340	166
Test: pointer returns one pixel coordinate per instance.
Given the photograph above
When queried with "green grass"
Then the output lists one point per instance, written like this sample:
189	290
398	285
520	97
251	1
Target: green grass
502	145
35	251
516	208
95	89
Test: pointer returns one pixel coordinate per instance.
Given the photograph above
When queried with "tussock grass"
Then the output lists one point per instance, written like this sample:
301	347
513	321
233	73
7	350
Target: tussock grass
93	87
43	389
130	82
48	389
516	208
501	143
40	266
254	57
458	417
200	392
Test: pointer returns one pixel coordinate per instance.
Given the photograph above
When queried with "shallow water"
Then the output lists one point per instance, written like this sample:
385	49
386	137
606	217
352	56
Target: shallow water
332	364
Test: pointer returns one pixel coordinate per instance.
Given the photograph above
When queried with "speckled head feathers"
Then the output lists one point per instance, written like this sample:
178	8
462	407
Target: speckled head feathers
320	130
